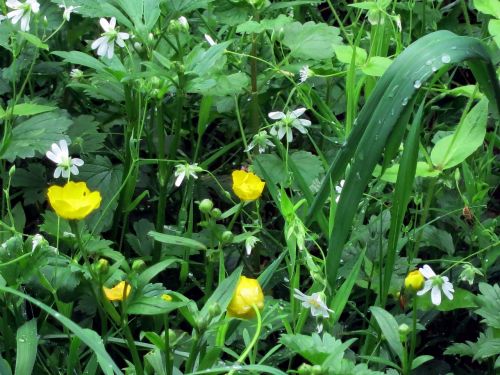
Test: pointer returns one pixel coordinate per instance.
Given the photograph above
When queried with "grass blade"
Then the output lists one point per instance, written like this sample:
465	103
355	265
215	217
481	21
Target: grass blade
380	117
27	342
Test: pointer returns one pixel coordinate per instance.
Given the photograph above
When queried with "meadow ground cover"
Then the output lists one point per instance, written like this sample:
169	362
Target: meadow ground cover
249	187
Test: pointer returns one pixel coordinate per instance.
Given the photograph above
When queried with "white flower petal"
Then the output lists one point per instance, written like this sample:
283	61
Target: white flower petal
276	115
78	162
96	43
298	112
103	48
180	178
436	295
53	157
427	271
427	287
65	172
104	24
74	170
111	50
57	172
281	132
289	135
112	23
63	145
123	36
25	22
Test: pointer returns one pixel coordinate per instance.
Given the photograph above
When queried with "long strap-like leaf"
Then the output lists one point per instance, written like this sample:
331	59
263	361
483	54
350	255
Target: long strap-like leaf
381	115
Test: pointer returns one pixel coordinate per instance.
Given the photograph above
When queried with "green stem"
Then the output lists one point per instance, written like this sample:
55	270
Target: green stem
254	104
168	360
132	347
193	353
413	338
162	174
243	355
425	214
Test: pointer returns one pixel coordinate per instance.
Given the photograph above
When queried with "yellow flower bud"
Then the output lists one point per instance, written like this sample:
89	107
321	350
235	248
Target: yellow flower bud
119	292
73	201
414	281
166	297
247	186
248	292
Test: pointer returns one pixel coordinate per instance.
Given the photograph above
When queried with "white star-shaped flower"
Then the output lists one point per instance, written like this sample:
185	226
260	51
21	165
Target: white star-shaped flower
105	45
68	10
66	165
185	171
250	243
436	284
261	140
313	302
22	11
286	122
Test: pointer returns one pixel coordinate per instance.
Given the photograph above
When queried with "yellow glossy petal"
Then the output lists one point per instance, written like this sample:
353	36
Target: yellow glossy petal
247	186
414	281
73	201
247	293
119	292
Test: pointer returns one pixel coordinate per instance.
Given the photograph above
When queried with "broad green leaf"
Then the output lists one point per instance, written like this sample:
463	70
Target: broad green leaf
315	348
177	240
223	294
149	273
308	165
101	175
462	299
420	360
27	343
27	109
494	30
33	39
389	328
273	167
311	40
80	58
455	148
85	136
36	134
391	173
491	7
89	337
489	304
376	66
342	295
344	54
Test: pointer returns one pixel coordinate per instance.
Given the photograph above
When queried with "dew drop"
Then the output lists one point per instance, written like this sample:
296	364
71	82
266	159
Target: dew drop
417	84
22	339
434	69
454	47
446	59
358	176
404	102
57	315
428	62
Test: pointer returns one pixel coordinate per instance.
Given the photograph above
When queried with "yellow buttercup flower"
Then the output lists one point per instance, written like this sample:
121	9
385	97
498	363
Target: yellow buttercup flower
166	297
73	201
248	292
414	281
119	292
247	186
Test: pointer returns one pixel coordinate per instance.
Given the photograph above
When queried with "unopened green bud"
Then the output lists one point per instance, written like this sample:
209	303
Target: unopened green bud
214	310
206	205
404	330
216	213
172	336
12	170
102	266
227	236
184	23
138	265
201	324
457	175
